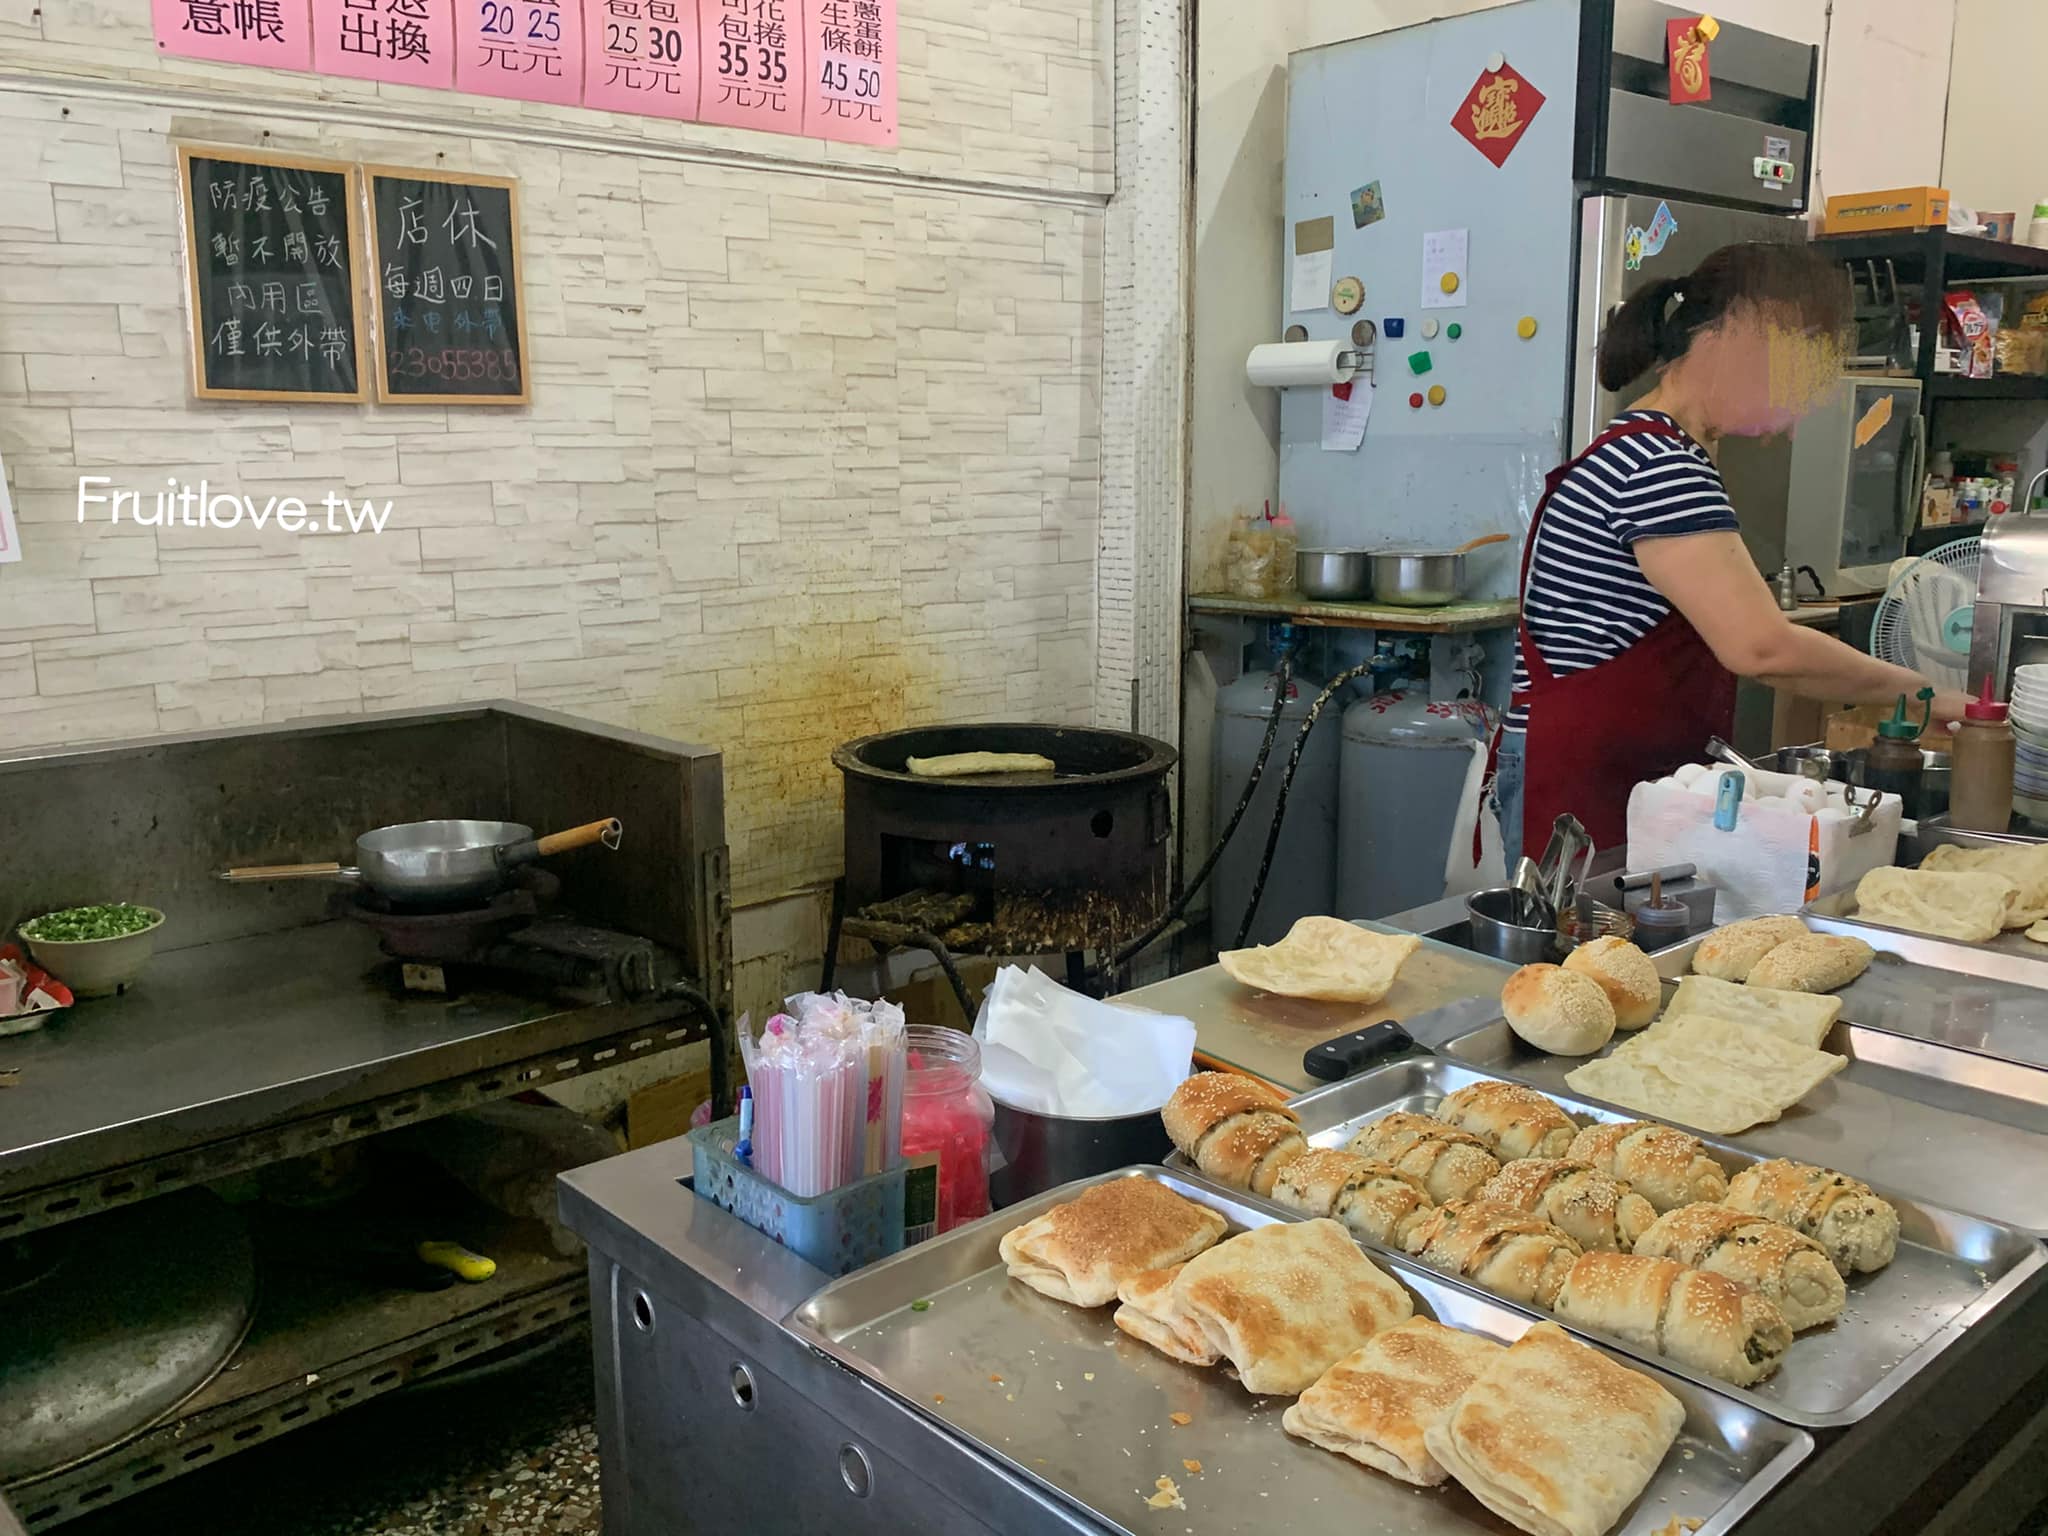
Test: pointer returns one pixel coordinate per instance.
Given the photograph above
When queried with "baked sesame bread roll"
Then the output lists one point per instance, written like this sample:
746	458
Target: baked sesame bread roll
1564	1012
1792	1270
1702	1320
1512	1120
1730	953
1248	1151
1857	1226
1598	1213
1203	1102
1627	975
1374	1200
1667	1167
1511	1253
1813	962
1451	1164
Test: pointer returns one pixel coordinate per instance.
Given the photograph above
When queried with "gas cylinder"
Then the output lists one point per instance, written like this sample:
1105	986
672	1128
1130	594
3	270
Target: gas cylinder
1401	772
1303	879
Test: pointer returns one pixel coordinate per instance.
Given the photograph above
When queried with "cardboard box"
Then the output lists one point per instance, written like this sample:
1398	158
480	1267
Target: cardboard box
1859	213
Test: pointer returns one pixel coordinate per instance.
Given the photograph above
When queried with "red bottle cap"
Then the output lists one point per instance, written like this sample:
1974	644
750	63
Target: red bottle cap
1983	707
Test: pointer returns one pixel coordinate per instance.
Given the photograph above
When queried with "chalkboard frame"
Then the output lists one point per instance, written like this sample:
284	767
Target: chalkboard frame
194	317
367	191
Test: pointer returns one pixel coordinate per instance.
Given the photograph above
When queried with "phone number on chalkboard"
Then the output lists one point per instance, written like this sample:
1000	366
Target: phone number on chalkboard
458	363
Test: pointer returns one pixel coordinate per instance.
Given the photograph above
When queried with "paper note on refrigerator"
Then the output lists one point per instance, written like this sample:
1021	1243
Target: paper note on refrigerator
10	542
1443	269
1346	409
1873	421
1308	286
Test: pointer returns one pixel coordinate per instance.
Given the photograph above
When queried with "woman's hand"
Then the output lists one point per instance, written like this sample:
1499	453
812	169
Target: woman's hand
1949	706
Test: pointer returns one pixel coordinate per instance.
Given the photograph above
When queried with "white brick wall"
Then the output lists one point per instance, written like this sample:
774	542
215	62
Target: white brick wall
814	448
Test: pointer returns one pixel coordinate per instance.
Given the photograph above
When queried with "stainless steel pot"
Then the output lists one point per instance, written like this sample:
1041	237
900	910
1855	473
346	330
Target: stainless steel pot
1333	575
1042	1152
436	862
1408	578
1497	932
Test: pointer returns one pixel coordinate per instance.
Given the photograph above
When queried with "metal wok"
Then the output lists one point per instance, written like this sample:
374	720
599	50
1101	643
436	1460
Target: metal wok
423	863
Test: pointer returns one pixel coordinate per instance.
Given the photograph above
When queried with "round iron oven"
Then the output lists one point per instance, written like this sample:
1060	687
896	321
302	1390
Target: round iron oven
1069	861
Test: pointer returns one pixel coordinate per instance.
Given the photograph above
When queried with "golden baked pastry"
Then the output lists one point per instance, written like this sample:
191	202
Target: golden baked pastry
1792	1270
1512	1120
1451	1163
1667	1167
1510	1252
1376	1404
1374	1200
1591	1208
1627	975
1702	1320
1080	1251
1857	1227
1728	953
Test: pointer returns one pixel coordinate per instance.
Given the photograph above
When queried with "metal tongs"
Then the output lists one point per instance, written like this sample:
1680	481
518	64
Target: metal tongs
1569	843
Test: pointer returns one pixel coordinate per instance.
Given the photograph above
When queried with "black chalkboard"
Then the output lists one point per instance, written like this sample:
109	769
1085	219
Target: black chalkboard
447	285
270	254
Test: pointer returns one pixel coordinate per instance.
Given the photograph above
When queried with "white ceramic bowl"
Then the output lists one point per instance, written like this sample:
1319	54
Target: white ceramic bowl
97	967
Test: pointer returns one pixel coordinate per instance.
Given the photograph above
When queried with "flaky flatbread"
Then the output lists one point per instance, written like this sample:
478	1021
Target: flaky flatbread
1324	958
1804	1017
1969	905
1556	1438
2025	864
1080	1251
1284	1303
1148	1314
1376	1404
1707	1072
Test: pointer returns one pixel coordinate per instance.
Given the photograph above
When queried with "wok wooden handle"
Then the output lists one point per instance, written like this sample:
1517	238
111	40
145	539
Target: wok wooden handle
1481	543
607	832
282	872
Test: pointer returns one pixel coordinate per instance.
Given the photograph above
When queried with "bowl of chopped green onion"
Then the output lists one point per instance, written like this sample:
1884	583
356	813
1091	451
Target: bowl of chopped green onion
95	951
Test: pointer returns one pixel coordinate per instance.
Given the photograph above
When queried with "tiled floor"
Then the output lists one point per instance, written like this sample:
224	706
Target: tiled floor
508	1455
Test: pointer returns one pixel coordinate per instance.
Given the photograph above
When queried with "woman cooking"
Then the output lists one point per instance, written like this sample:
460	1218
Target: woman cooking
1640	605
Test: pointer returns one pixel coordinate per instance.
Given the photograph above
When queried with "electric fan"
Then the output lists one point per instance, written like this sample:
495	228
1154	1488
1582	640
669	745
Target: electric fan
1923	619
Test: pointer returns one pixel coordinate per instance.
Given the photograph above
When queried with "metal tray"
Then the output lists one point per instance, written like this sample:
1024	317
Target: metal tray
1939	1122
1951	1270
2011	957
1062	1397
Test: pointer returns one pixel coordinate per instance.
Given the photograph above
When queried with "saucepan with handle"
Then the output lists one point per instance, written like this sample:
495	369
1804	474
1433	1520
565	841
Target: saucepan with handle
1410	578
438	863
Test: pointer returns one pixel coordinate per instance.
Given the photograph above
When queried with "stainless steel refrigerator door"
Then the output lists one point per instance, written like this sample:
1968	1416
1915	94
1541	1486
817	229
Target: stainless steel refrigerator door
1757	470
1606	280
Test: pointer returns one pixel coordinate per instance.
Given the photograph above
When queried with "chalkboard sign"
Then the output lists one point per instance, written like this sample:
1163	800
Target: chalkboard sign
270	252
447	286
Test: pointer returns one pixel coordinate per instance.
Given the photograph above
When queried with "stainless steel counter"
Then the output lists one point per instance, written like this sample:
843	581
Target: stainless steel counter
703	1389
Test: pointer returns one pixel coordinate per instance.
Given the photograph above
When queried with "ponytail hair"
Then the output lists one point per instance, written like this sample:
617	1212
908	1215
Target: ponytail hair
1791	286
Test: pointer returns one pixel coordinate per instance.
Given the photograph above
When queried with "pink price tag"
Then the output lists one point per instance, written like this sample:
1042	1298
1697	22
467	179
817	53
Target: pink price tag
531	50
850	70
276	33
641	56
405	42
753	66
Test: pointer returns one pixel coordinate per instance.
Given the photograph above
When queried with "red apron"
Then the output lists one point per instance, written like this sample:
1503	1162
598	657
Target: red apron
1593	735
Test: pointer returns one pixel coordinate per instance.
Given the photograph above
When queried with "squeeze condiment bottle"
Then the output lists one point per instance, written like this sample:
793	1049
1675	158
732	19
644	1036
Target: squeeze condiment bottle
1980	784
1893	763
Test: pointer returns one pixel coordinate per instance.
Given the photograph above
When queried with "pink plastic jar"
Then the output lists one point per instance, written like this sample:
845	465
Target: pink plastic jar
946	1112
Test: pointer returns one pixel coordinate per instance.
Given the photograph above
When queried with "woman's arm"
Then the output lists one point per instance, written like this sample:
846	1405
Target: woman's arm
1711	580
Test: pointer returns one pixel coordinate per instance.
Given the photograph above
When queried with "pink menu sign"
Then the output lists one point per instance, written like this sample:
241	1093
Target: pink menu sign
528	49
641	56
272	32
753	70
850	80
406	42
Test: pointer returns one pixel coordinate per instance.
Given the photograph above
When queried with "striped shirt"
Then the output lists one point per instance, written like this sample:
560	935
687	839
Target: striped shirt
1587	600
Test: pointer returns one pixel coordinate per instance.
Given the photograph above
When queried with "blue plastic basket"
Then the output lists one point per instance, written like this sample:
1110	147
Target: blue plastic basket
838	1231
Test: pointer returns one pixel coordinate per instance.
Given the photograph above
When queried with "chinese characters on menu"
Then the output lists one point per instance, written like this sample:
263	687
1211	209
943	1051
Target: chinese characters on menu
826	68
274	259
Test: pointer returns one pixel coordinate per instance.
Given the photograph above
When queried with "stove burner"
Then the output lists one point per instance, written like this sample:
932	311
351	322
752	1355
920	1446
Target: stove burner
461	934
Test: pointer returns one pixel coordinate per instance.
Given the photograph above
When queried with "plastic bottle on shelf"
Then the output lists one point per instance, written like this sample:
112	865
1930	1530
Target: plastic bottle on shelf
1286	544
1981	780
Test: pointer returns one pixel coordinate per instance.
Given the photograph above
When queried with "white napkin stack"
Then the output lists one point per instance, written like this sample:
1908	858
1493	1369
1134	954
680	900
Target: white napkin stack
1052	1051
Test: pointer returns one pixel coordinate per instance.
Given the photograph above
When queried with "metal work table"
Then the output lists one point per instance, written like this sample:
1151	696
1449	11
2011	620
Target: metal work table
238	1053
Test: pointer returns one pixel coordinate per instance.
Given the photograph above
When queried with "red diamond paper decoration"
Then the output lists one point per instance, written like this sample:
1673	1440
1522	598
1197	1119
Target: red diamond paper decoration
1497	111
